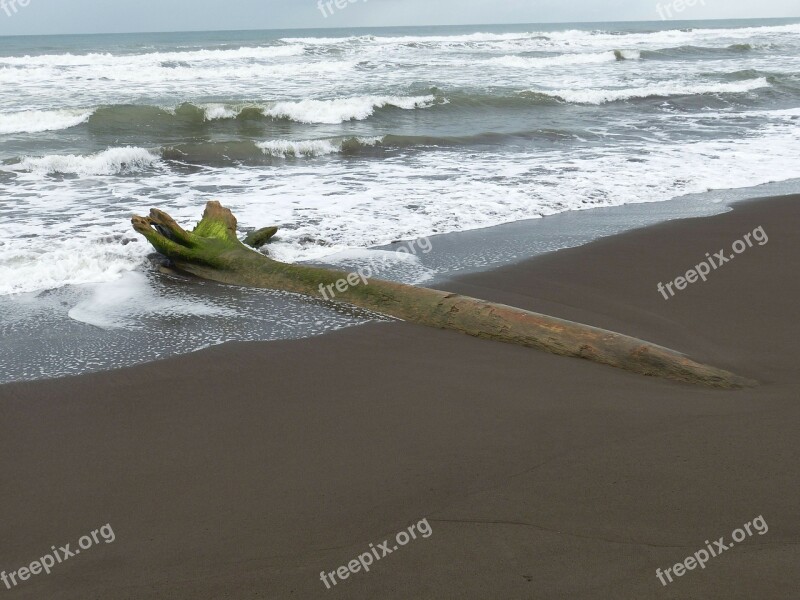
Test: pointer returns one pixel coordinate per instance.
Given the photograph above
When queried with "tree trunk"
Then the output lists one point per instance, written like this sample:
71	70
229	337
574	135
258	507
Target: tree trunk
213	251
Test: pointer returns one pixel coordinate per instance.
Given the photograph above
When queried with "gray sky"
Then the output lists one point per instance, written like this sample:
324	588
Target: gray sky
112	16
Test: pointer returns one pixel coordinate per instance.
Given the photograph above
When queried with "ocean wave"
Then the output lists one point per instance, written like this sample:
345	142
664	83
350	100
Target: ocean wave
126	160
286	148
441	191
123	118
114	161
248	152
35	121
313	148
260	153
527	62
216	112
573	37
35	264
601	96
340	110
215	78
187	56
700	51
412	39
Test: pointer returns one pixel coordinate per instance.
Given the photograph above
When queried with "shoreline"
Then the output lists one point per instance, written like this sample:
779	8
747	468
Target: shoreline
245	469
131	321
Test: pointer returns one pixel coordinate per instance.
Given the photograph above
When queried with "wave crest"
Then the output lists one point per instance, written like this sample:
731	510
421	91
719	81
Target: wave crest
114	161
601	96
341	110
35	121
312	148
528	62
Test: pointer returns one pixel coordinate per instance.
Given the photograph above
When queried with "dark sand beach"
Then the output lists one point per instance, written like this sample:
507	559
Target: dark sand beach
245	470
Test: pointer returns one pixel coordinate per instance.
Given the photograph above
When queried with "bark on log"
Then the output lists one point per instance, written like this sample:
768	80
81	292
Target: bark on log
213	251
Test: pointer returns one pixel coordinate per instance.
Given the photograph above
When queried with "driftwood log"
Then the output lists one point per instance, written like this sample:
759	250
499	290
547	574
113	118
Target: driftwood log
213	251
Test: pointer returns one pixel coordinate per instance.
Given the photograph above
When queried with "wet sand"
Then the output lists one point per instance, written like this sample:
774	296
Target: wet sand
243	471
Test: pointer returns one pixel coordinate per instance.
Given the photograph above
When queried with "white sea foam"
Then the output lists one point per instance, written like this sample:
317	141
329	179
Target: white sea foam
356	66
109	162
404	266
601	96
332	111
200	55
31	264
412	39
528	62
300	148
35	121
311	148
340	110
214	112
52	229
578	37
327	209
122	305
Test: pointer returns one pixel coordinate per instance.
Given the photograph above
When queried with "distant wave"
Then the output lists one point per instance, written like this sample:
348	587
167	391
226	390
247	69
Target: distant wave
601	96
573	36
526	62
34	121
695	51
114	161
451	39
610	56
186	56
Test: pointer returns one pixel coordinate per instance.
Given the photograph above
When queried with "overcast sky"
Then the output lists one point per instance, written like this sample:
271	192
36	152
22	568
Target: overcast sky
112	16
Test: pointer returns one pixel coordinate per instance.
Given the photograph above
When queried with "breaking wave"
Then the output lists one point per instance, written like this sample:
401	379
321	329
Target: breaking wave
114	161
589	96
35	121
343	109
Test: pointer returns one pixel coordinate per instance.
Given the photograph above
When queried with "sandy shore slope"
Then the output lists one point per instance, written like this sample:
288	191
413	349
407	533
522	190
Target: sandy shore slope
243	471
